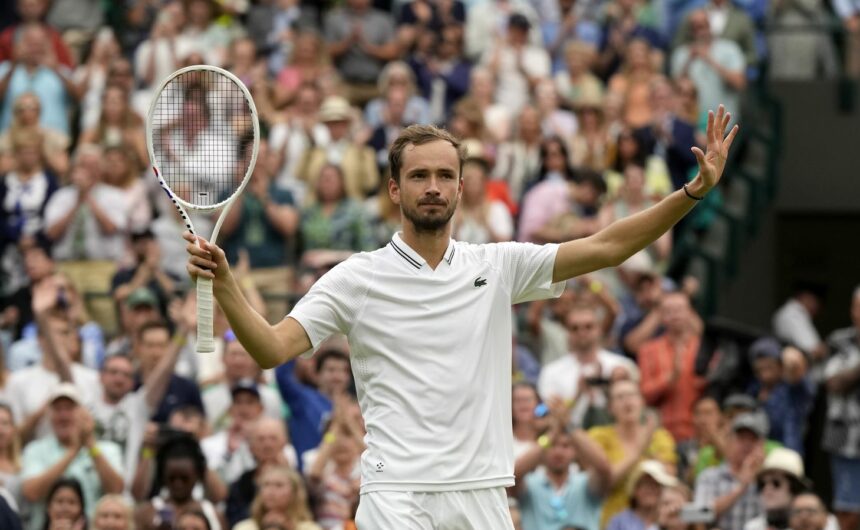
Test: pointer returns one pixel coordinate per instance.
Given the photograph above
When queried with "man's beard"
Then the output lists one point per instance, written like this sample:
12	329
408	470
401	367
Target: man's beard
430	223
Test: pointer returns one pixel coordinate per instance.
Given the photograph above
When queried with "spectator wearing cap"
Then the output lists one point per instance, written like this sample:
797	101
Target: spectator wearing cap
842	428
668	366
645	488
361	39
69	450
310	405
793	322
808	512
83	221
780	480
227	451
356	161
152	344
557	493
782	389
712	454
29	389
140	306
238	366
516	64
146	271
730	488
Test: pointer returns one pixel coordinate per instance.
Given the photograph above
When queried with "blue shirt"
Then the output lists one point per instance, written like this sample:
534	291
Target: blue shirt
47	85
787	407
545	508
308	406
41	454
626	520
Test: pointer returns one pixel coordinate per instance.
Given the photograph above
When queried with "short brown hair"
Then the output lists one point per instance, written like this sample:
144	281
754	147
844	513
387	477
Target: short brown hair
420	135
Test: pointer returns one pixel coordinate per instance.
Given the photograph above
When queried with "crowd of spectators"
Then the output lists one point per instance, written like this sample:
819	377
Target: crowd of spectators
629	410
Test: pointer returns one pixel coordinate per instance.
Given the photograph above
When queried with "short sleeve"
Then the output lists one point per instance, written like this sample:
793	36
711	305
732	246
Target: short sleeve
33	463
527	269
58	206
331	305
733	57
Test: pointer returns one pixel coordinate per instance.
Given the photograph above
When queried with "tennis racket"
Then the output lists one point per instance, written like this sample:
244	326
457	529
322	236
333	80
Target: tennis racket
202	133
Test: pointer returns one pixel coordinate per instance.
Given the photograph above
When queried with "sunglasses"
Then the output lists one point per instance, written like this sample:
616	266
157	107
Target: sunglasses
774	482
577	327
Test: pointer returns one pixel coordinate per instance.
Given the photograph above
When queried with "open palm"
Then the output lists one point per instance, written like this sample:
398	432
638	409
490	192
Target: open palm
713	160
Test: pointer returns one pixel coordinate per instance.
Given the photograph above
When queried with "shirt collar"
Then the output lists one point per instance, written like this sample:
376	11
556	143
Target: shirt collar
413	258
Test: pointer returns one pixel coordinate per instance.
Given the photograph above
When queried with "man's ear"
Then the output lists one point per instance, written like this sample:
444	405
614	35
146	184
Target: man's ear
394	191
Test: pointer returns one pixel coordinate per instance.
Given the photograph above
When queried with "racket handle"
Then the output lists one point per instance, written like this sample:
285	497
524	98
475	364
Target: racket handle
205	316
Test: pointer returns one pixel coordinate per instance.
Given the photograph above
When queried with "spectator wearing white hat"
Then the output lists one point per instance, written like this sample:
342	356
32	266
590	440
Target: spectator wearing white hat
356	161
644	489
780	480
70	450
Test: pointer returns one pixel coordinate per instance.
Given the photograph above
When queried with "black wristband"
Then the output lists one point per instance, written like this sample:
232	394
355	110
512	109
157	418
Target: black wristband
690	195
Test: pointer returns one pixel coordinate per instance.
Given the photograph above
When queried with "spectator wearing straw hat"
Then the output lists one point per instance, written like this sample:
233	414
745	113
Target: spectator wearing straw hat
780	480
357	162
644	488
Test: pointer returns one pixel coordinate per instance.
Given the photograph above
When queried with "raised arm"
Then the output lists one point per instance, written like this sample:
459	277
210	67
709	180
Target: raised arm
269	345
614	244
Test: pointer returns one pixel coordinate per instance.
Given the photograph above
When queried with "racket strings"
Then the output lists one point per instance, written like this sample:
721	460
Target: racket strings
202	136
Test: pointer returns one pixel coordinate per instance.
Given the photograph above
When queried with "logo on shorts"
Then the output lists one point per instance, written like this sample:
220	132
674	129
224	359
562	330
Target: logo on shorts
480	282
379	467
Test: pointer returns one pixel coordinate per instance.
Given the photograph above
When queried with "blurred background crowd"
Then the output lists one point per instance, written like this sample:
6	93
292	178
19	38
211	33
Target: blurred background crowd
632	407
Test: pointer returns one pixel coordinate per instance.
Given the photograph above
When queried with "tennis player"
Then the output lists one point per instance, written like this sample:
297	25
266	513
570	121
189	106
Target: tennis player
429	325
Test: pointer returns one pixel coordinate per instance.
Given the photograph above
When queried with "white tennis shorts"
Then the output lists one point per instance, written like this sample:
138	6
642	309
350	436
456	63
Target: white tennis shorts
481	509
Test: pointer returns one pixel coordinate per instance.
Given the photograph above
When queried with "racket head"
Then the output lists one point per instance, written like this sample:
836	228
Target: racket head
203	135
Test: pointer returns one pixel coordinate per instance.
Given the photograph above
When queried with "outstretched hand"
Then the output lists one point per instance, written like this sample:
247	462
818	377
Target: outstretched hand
712	162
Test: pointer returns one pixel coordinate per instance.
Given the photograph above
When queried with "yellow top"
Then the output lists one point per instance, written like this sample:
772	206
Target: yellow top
662	448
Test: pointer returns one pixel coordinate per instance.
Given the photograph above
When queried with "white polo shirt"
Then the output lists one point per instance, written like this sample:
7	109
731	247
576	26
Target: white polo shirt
431	355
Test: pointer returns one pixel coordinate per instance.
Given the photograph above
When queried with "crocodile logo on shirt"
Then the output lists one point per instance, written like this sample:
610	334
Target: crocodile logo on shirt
480	282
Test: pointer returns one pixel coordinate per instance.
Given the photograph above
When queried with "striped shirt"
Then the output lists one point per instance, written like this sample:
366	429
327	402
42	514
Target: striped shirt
718	481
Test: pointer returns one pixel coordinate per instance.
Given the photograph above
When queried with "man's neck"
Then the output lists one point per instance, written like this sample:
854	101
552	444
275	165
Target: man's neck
558	478
586	356
429	245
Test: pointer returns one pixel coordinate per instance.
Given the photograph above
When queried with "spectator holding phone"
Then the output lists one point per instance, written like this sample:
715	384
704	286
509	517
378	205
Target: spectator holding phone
579	378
